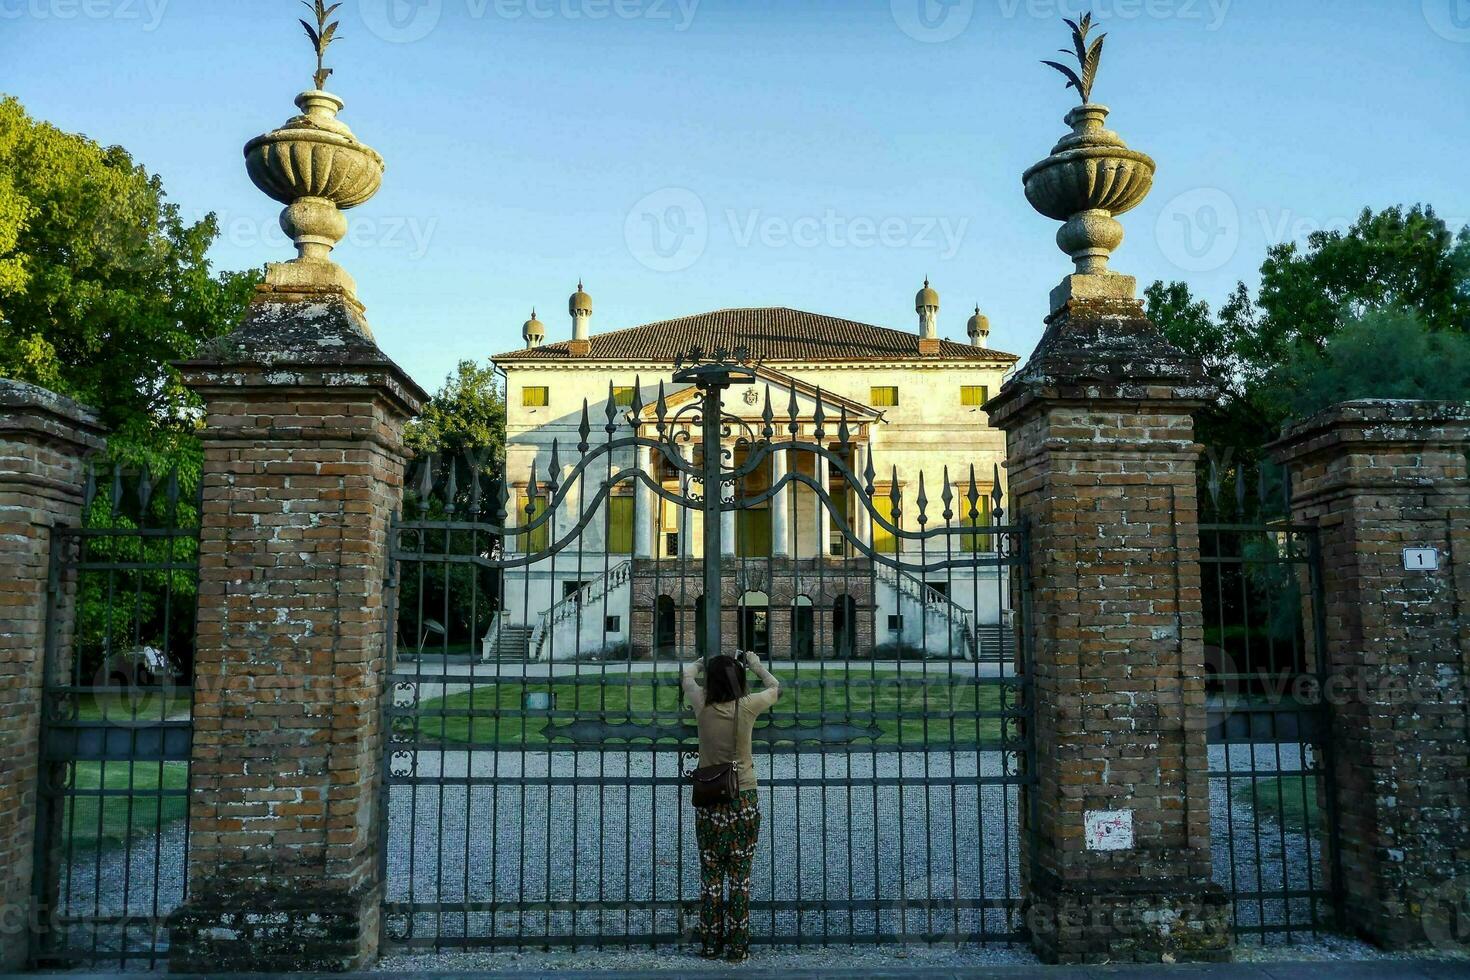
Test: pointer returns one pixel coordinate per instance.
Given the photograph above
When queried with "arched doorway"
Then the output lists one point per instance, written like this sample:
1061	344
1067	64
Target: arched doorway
844	627
664	625
755	623
803	629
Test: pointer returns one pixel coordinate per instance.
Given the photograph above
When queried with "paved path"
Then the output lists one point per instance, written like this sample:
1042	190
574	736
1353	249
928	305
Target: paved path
1379	969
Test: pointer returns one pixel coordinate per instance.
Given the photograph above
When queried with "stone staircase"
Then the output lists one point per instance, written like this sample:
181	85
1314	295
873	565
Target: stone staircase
506	644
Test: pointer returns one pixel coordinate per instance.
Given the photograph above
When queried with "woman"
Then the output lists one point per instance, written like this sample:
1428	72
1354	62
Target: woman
727	834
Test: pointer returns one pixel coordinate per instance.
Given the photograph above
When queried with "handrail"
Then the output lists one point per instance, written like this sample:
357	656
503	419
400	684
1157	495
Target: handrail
929	598
573	602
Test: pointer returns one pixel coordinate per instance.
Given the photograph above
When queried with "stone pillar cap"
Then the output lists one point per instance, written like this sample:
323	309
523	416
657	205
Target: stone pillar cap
31	408
1372	420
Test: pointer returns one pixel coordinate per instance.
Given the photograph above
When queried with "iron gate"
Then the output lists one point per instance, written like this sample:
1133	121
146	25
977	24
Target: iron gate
112	841
536	737
1272	795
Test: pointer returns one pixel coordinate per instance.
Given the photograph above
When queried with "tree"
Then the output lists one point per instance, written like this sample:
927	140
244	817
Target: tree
102	285
466	414
1395	259
1395	264
1385	354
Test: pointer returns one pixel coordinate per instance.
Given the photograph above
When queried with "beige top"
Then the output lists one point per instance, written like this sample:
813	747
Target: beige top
720	740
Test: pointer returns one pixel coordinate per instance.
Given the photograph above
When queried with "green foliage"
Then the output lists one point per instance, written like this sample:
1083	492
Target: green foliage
1387	354
102	284
149	603
467	414
1363	313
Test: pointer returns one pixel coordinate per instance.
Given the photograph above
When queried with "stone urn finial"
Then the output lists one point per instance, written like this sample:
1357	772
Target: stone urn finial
312	163
1091	176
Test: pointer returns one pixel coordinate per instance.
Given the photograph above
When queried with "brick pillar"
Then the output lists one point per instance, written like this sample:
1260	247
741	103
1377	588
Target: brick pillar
1101	459
1376	478
303	467
44	440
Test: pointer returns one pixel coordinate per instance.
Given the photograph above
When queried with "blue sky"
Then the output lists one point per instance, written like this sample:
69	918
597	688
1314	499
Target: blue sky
686	155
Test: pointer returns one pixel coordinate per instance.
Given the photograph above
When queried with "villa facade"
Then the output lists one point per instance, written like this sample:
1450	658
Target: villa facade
628	583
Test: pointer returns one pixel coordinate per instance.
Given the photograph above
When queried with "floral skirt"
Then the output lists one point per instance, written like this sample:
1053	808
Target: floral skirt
727	837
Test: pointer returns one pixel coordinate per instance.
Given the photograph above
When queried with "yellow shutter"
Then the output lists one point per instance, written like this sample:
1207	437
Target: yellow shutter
535	396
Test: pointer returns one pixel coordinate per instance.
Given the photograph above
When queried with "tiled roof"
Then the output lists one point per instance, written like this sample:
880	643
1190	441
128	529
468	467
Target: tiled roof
771	334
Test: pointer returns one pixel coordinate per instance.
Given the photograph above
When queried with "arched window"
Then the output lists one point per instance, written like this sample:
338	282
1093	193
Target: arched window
803	629
844	627
755	622
664	625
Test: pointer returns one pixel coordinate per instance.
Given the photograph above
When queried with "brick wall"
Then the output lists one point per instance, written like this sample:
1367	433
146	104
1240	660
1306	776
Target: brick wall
303	469
1101	465
1375	478
44	441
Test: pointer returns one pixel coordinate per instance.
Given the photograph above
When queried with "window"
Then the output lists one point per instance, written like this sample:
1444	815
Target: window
620	525
535	539
623	395
975	542
837	542
973	396
753	539
883	396
895	623
535	396
614	624
884	540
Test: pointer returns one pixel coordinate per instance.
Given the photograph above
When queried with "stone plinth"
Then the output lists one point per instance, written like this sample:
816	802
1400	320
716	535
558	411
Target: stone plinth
303	467
44	442
1376	478
1101	460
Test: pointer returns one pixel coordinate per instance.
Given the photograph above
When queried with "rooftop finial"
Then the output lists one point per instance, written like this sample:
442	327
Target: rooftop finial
1087	55
321	37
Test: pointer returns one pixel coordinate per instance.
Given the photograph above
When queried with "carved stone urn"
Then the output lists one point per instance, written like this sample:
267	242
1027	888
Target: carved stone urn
1090	178
318	169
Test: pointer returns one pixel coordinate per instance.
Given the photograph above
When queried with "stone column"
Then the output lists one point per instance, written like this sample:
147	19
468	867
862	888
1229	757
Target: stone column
780	509
1101	459
645	509
1385	483
688	532
824	519
862	521
44	441
303	467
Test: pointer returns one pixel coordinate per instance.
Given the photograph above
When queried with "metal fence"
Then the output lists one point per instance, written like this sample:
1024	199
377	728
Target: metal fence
537	740
1273	815
116	724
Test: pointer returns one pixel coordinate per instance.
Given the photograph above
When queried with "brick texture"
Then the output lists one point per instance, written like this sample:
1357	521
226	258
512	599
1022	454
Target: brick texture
44	441
303	467
1377	477
1101	462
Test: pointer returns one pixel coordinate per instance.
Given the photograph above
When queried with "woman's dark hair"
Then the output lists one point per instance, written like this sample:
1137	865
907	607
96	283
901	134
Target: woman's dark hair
724	679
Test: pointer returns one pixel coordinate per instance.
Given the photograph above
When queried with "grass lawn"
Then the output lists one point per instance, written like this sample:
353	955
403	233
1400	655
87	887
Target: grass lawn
863	702
1287	800
90	821
136	705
